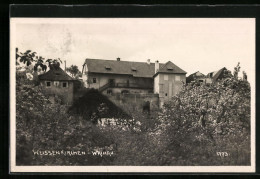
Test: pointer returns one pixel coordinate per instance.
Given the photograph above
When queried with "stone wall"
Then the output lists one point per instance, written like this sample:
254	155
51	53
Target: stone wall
135	101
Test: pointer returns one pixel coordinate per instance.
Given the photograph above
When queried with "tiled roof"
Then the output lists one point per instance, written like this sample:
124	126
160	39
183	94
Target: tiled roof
170	67
55	74
137	69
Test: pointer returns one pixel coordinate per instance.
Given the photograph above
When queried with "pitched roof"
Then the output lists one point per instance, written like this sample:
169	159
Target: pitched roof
213	73
56	74
218	74
193	76
137	69
170	67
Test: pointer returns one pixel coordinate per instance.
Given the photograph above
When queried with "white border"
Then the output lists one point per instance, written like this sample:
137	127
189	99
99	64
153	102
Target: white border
12	148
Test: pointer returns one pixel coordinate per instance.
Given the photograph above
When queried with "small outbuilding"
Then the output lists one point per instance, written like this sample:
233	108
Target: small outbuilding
57	82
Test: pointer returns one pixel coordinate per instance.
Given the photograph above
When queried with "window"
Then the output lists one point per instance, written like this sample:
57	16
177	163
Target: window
108	67
170	68
177	78
64	84
56	83
94	80
48	83
161	88
109	91
165	77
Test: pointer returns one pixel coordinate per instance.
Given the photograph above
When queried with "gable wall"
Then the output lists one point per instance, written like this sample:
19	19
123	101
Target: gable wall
170	86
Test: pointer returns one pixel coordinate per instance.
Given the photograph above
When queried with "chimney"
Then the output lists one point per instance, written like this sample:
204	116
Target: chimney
156	66
117	59
148	61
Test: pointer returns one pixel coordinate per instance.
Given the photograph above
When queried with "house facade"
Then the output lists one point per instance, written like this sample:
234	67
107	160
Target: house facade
116	76
56	82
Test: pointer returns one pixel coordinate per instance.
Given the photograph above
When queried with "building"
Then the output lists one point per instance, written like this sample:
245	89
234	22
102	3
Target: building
56	82
116	76
197	76
213	77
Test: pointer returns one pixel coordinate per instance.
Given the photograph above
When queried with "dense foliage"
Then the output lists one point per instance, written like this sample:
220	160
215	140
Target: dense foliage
205	119
42	126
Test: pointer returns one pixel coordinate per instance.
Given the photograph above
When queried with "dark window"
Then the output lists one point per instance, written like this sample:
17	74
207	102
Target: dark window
109	91
48	83
64	85
94	80
146	107
124	91
108	67
165	94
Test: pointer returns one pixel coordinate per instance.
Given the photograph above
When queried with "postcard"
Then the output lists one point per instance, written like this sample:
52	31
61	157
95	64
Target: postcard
132	95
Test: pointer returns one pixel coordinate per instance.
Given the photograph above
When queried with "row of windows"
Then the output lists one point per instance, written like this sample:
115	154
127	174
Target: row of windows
177	77
56	83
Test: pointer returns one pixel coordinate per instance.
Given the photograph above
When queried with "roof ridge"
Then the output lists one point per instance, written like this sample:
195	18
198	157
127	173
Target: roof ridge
121	61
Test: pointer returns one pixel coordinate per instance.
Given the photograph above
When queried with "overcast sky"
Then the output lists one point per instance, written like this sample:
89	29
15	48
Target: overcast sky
201	44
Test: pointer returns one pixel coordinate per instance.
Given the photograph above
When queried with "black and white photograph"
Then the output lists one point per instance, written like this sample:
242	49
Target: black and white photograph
132	94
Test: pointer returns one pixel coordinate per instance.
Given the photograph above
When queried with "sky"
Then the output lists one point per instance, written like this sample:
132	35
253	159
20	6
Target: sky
193	44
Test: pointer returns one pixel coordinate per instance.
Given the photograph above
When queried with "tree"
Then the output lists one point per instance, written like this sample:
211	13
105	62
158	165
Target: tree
53	63
205	118
26	58
74	71
30	58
